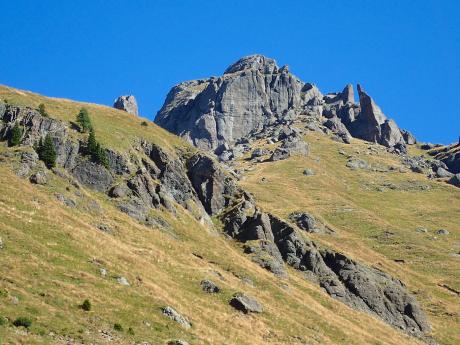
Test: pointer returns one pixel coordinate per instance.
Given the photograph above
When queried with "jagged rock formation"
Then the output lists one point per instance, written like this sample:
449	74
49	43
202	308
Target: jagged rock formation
254	94
449	155
127	103
157	178
353	283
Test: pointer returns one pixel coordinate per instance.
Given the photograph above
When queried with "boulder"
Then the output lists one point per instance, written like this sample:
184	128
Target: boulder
442	173
304	221
455	180
246	304
408	137
442	232
123	281
175	316
209	287
126	103
178	342
357	163
39	178
308	172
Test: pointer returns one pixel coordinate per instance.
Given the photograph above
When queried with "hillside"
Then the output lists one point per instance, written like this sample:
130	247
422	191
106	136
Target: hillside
160	215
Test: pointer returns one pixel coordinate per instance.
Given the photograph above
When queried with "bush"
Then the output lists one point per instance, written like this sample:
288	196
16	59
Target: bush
130	331
42	110
86	305
22	322
118	327
3	321
84	121
47	152
16	135
144	123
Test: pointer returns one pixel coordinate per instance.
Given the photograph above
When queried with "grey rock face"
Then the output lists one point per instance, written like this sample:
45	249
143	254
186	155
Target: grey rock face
251	94
372	125
304	221
455	180
354	284
92	175
246	304
408	137
175	316
127	103
29	160
449	155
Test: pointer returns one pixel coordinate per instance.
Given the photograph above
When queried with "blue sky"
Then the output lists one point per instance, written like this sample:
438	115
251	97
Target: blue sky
406	54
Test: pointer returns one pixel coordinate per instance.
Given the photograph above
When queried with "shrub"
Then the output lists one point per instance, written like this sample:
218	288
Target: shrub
42	110
86	305
118	327
47	152
84	121
3	321
130	331
16	135
22	321
144	123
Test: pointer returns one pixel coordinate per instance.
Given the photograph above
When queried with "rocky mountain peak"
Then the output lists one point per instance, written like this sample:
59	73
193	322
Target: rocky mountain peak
256	62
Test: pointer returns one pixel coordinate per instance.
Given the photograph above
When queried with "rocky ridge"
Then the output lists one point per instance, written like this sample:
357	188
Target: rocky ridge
255	97
156	178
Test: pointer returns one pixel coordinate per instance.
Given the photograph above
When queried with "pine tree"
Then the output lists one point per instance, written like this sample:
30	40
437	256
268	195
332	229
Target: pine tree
42	110
84	121
91	145
16	135
100	156
47	152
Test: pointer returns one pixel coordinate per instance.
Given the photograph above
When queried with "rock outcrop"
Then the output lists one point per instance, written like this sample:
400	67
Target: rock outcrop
359	286
254	95
127	103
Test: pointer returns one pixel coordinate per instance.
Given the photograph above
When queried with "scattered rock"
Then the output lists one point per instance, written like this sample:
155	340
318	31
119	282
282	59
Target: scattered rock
442	232
103	272
455	180
105	228
442	173
259	153
14	300
209	287
245	303
308	172
175	316
122	281
66	201
127	103
178	342
39	178
422	230
356	163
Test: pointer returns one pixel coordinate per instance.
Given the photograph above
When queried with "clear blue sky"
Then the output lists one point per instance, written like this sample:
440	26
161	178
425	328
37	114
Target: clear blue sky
406	54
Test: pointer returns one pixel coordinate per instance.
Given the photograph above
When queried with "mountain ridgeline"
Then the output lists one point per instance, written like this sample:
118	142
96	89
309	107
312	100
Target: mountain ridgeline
253	126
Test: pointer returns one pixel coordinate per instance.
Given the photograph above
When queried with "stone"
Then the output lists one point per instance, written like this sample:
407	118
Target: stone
259	152
304	221
2	245
442	232
66	201
422	230
127	103
105	228
103	272
119	191
308	172
39	178
178	342
455	180
122	281
209	287
29	160
442	173
357	163
175	316
246	304
408	137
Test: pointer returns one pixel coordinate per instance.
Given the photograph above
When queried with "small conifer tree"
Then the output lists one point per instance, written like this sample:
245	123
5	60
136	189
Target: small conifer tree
47	152
84	121
42	110
16	135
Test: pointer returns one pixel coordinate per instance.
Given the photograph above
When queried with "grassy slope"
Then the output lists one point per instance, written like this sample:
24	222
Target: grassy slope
50	252
354	204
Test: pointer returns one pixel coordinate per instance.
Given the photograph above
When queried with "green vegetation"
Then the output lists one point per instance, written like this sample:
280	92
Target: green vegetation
42	110
84	121
46	151
16	135
95	149
22	321
118	327
130	331
86	305
3	321
144	123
